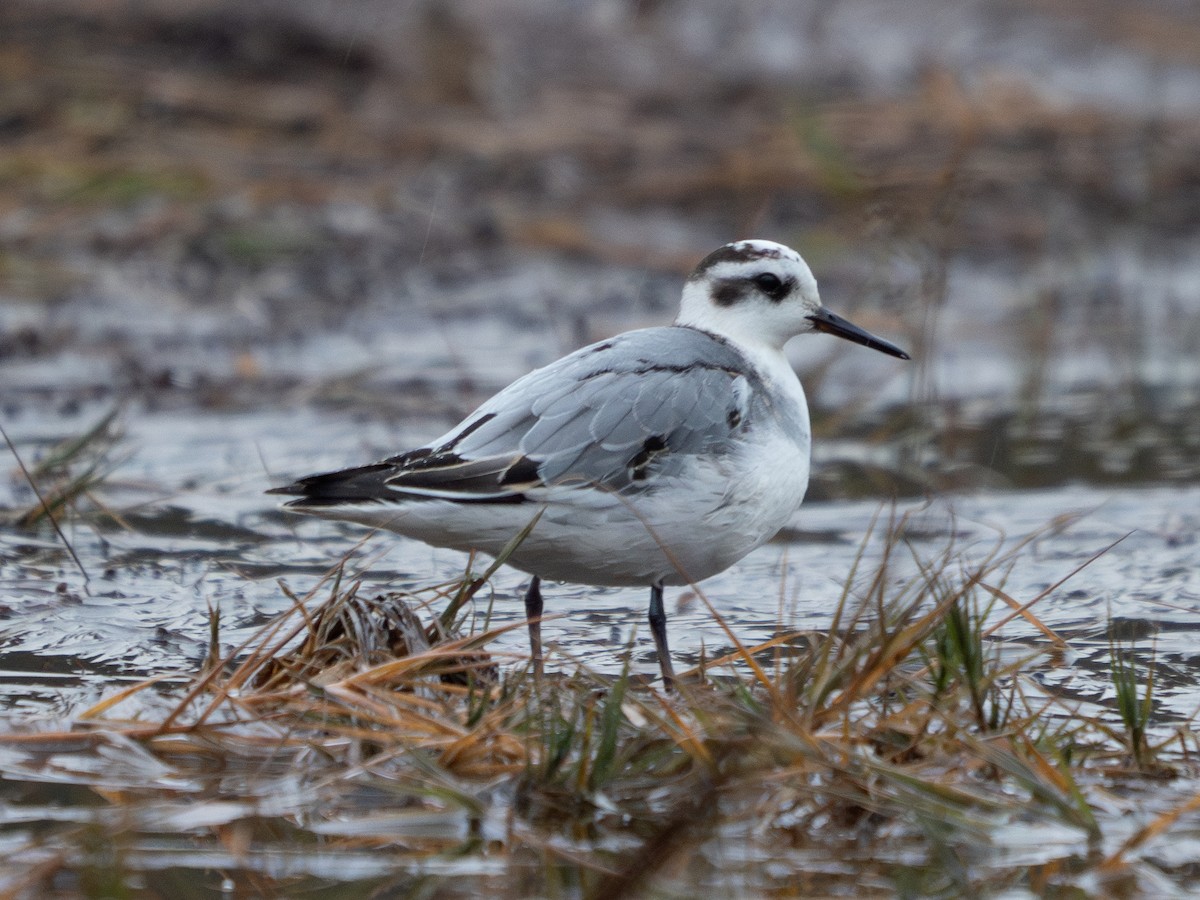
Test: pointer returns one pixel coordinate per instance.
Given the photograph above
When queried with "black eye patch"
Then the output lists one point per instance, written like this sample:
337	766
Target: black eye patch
729	291
771	285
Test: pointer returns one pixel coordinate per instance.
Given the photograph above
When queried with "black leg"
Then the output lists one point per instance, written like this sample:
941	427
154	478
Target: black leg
658	628
533	612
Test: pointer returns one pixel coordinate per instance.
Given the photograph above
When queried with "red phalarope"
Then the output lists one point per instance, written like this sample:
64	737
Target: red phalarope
658	457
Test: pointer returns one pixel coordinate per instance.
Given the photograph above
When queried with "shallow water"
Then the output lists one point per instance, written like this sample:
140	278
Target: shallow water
277	255
198	533
205	431
221	543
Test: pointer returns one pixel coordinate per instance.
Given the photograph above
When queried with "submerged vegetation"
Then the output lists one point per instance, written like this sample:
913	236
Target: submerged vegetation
907	749
69	471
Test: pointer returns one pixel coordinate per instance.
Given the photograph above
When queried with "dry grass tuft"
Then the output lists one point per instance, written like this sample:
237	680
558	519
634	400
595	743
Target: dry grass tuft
880	755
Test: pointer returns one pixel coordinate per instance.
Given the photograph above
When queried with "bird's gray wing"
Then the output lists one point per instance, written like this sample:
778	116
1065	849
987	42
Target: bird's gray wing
609	415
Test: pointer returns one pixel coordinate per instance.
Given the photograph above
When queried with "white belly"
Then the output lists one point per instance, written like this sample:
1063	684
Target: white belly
711	516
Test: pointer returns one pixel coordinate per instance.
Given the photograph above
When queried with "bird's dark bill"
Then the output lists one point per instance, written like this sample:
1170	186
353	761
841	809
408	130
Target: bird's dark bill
831	323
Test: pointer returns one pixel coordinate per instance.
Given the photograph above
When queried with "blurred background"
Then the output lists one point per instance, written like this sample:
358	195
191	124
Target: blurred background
246	240
388	210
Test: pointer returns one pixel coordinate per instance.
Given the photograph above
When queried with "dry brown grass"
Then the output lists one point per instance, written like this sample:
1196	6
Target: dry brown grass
879	755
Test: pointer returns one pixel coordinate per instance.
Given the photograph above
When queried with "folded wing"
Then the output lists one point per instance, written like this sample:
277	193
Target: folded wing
615	415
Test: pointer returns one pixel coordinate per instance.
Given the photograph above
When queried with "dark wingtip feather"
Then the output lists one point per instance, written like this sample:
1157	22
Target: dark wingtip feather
358	485
421	474
323	502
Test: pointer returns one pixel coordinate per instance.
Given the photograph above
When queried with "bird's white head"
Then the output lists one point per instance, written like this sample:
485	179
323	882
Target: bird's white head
760	293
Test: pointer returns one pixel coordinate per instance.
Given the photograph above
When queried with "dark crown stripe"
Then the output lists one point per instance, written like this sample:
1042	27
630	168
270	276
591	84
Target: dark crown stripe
732	253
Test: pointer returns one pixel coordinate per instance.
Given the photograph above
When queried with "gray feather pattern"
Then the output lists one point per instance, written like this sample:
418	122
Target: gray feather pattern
587	417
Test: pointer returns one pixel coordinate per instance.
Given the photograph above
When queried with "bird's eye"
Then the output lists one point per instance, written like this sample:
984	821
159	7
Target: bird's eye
769	284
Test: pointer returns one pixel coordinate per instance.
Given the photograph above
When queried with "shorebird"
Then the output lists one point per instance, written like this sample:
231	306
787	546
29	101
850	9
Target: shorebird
657	457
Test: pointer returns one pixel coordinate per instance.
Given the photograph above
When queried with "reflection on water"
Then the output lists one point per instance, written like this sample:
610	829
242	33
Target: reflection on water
189	531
